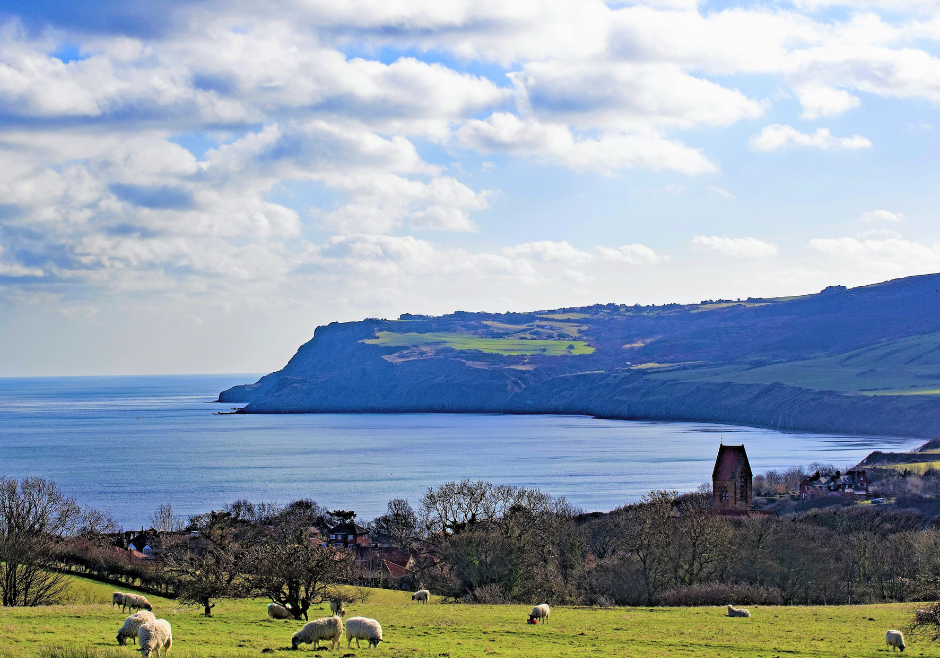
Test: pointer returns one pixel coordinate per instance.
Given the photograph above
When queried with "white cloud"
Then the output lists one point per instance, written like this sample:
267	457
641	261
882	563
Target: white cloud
881	216
555	143
736	247
779	136
634	254
549	251
889	255
720	192
822	101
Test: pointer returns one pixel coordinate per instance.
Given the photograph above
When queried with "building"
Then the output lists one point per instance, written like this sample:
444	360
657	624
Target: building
852	482
349	535
732	483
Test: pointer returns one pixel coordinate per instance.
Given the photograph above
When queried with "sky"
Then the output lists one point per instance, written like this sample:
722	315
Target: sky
194	186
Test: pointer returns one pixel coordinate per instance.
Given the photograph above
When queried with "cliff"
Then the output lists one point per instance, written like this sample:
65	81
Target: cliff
863	361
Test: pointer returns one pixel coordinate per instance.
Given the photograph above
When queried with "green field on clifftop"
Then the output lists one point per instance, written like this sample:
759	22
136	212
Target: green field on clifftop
241	628
504	346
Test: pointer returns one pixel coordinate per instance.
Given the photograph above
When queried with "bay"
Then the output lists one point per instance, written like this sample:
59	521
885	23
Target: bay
128	444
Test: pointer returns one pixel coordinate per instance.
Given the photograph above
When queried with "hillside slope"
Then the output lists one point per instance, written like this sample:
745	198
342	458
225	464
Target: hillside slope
857	361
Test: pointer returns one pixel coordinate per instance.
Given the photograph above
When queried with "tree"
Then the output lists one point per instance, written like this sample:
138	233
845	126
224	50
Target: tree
34	516
165	521
298	575
210	563
398	526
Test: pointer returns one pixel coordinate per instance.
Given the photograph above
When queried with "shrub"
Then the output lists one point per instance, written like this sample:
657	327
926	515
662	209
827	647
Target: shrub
721	594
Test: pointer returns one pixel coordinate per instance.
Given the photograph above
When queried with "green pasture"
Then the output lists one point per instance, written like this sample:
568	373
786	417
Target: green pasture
87	628
907	366
505	346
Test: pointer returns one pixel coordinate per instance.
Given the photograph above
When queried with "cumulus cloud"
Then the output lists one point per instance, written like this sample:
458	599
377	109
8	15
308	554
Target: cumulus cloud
634	254
778	136
556	143
881	216
736	247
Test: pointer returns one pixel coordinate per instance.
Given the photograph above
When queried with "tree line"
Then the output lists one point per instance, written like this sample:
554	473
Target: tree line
480	542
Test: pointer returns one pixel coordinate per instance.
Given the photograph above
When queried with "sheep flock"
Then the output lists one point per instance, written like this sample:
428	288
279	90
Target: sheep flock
153	635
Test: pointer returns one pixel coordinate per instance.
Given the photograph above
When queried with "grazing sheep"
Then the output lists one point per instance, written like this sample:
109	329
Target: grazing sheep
327	628
132	624
117	599
895	640
277	611
153	636
540	612
338	608
136	602
421	595
738	612
361	628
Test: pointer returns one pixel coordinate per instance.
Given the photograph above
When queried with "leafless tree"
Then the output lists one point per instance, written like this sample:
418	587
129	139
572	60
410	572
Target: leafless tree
34	516
398	526
165	521
210	564
298	575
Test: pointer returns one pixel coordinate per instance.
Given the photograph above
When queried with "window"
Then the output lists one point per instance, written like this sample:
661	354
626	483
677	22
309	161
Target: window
724	496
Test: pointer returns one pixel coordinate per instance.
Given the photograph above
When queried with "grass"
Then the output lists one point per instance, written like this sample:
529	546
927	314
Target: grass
240	628
906	366
505	346
915	467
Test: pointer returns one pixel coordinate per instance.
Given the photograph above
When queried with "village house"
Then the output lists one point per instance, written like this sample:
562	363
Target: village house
852	482
349	535
732	483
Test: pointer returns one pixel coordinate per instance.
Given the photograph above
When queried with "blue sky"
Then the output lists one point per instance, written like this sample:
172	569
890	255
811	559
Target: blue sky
195	186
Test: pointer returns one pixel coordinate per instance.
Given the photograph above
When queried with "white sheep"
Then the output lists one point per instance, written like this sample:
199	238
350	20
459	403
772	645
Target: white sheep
895	640
540	612
136	602
361	628
117	599
153	636
277	611
421	595
738	612
327	628
132	624
338	608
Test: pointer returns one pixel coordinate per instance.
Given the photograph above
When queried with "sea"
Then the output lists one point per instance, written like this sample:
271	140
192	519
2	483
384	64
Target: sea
129	444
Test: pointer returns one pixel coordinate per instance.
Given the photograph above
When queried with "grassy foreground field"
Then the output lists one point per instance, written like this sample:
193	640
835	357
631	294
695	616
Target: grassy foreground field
240	628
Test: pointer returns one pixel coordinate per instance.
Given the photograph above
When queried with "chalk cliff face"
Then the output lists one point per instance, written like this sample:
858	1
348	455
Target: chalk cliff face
859	361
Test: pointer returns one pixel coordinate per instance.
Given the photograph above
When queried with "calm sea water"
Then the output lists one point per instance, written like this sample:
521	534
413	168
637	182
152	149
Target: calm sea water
128	444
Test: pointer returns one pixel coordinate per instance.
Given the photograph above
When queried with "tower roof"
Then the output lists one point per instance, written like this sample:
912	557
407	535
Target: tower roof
730	462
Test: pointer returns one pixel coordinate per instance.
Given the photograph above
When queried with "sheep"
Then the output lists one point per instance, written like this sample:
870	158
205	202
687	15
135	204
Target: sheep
327	628
738	612
361	628
117	599
541	613
136	602
337	607
422	595
132	624
153	636
895	640
277	611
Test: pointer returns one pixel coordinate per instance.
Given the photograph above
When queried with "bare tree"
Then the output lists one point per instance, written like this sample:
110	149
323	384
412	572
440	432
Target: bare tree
298	575
398	526
34	516
165	521
209	564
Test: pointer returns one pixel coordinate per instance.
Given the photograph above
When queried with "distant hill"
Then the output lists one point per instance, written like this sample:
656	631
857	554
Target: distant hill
861	361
